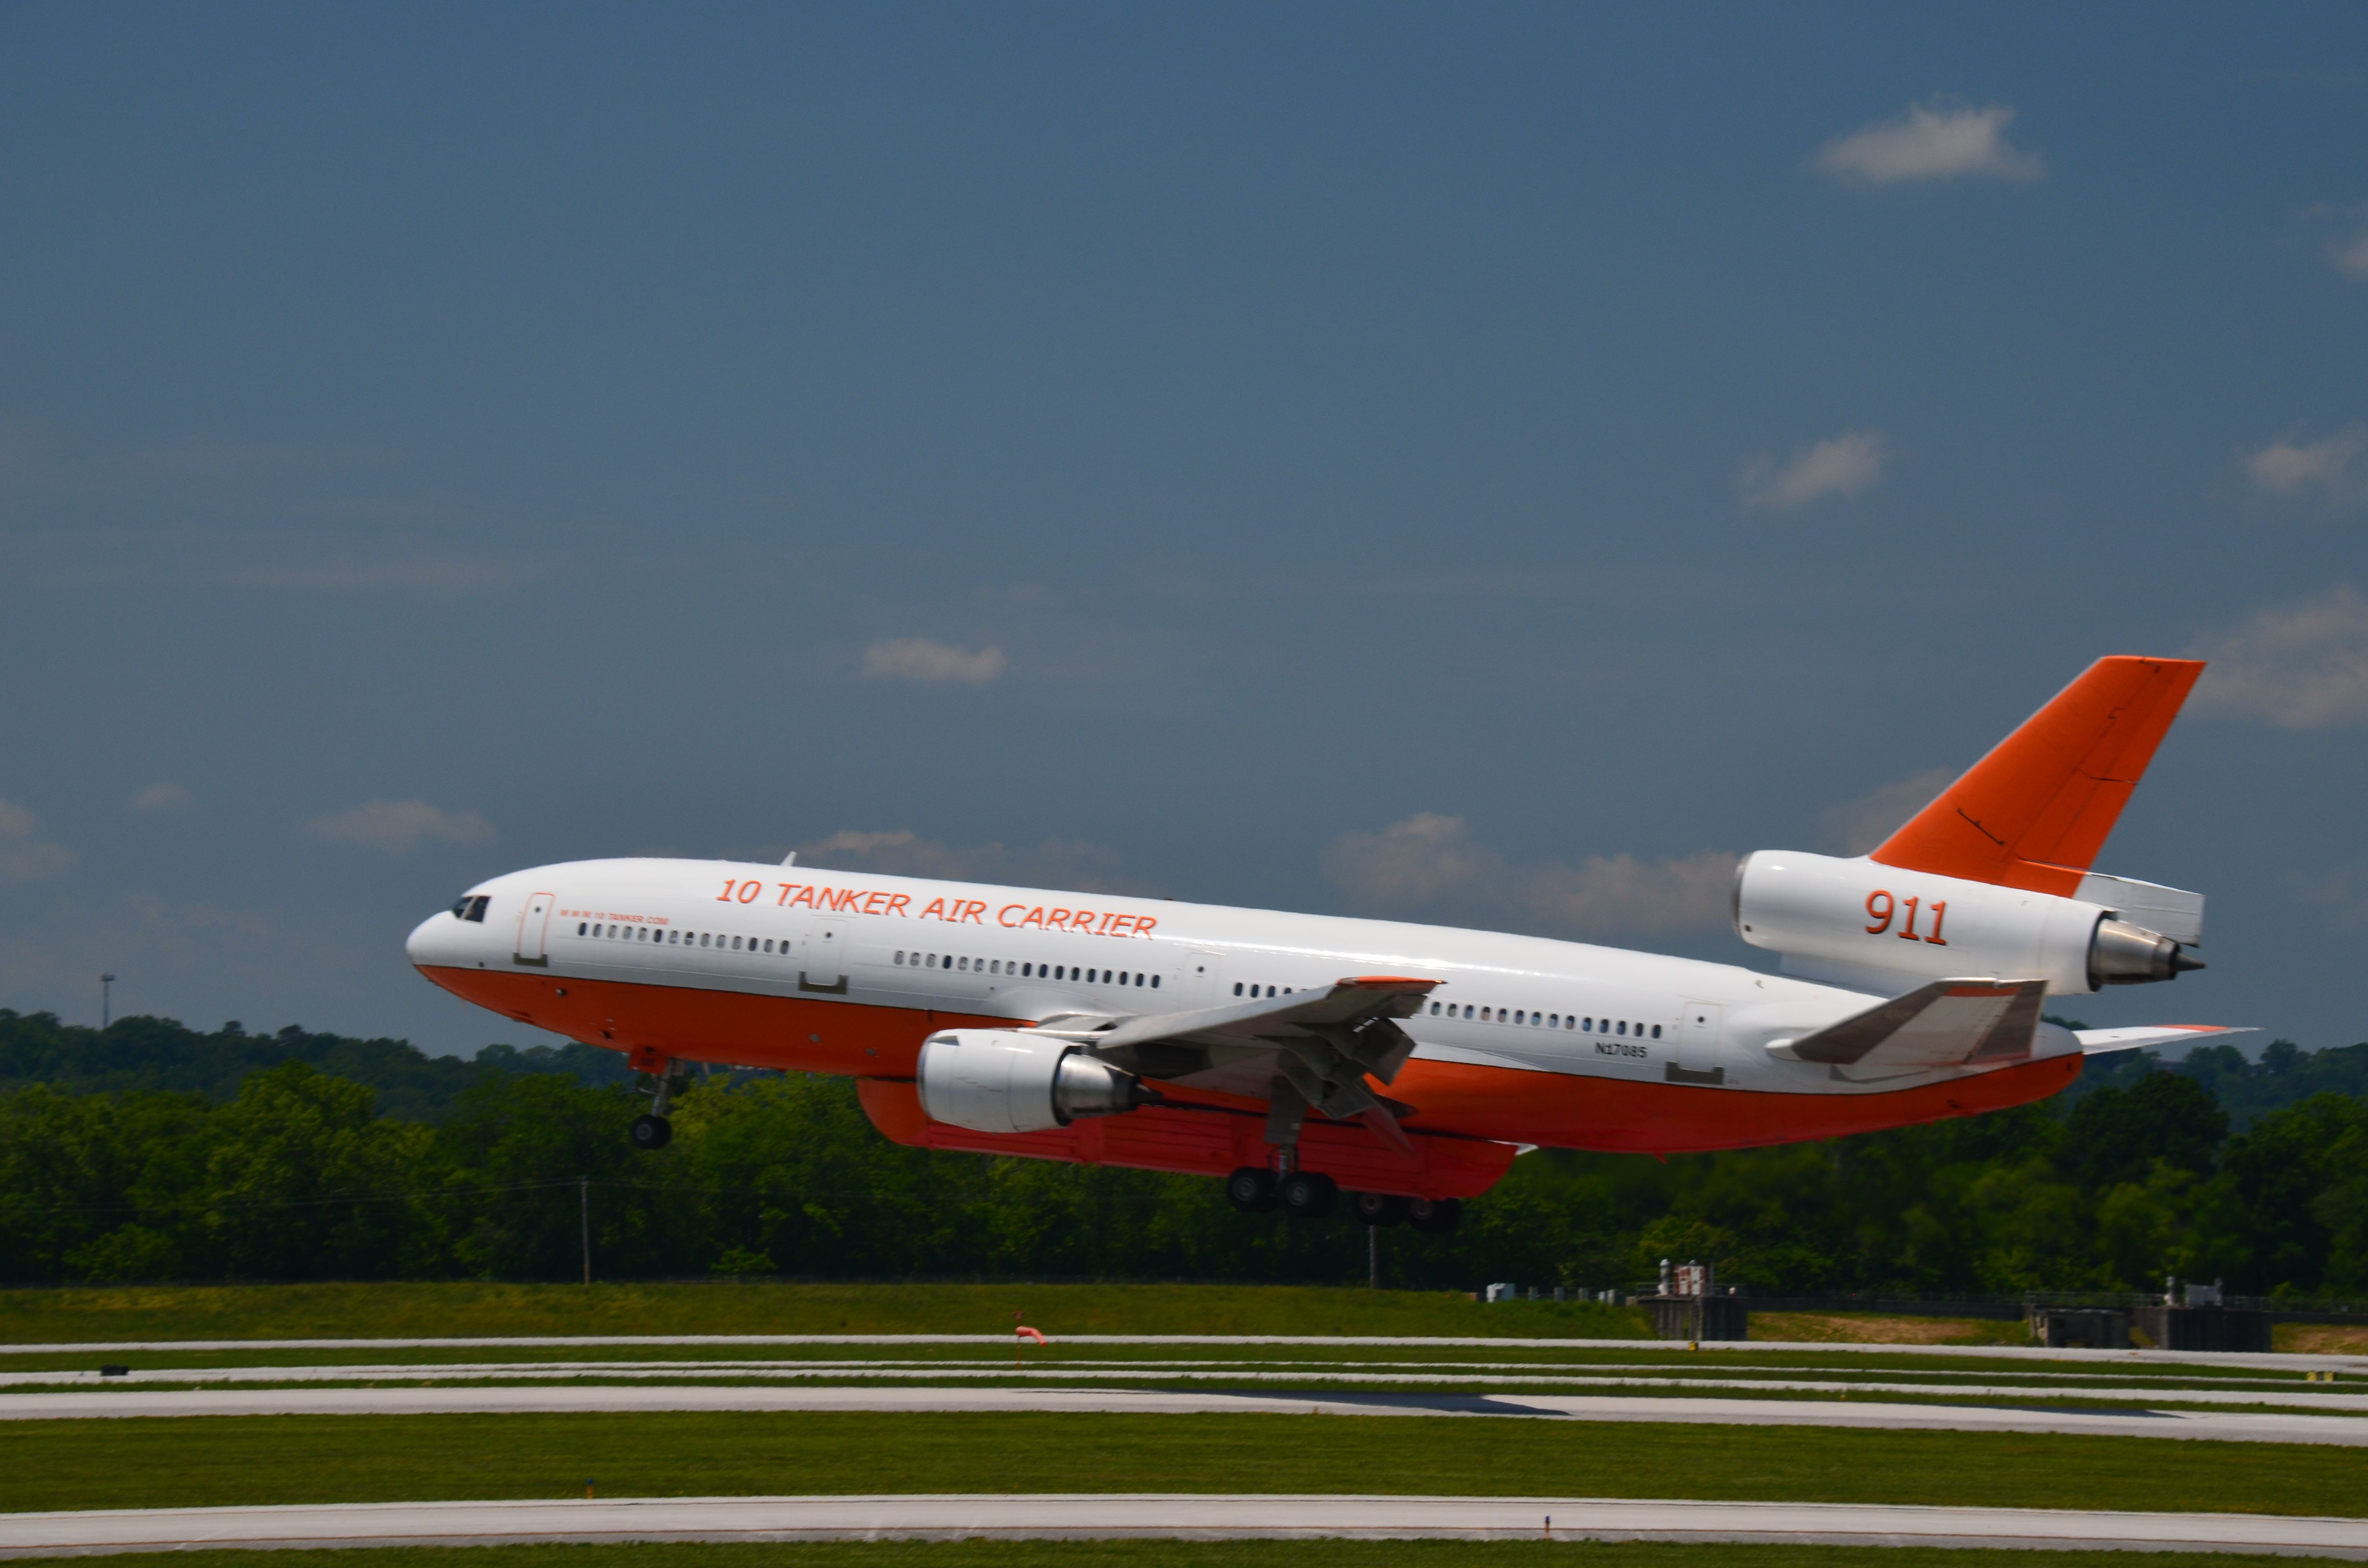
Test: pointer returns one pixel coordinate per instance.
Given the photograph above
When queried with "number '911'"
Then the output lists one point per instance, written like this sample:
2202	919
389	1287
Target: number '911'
1882	909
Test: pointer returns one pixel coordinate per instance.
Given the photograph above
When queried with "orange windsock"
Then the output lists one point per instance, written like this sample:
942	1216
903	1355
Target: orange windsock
1031	1336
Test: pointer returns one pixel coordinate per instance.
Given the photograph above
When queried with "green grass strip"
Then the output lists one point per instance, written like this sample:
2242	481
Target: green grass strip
198	1461
438	1309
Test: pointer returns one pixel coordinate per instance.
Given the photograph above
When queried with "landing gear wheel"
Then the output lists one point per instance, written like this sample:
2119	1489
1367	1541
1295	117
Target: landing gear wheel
1307	1194
1251	1191
651	1132
1439	1216
1378	1207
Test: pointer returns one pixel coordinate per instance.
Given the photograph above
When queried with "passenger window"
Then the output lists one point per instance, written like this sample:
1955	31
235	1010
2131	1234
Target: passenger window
579	927
1568	1022
1237	987
1623	1027
1154	983
1657	1031
1467	1014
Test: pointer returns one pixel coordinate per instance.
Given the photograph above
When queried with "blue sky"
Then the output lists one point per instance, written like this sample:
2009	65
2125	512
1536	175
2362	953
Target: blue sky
1484	464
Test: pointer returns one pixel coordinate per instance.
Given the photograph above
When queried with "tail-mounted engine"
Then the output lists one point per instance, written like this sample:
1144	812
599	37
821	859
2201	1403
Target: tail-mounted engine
1010	1081
1861	922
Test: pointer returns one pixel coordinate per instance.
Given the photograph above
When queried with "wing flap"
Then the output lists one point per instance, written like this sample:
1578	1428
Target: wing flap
1949	1023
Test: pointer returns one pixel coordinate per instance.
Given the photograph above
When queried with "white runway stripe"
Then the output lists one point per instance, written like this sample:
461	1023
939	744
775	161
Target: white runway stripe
1186	1517
2135	1359
422	1401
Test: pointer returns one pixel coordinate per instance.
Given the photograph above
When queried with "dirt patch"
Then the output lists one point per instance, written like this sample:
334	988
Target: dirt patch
1868	1328
2321	1338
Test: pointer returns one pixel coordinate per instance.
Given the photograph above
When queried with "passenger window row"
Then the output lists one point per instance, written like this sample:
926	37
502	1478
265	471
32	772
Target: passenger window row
1027	971
604	931
1565	1021
1254	991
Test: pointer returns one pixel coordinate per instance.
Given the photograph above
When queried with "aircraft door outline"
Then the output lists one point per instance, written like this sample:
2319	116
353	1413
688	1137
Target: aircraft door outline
534	931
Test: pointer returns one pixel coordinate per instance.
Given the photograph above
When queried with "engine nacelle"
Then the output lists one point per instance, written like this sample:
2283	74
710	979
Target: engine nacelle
1010	1081
1858	921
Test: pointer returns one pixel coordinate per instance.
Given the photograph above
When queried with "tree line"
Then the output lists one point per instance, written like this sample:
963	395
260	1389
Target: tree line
152	1152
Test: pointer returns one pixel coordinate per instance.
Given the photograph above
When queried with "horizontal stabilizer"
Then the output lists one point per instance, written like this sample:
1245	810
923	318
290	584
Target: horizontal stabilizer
1949	1023
2097	1043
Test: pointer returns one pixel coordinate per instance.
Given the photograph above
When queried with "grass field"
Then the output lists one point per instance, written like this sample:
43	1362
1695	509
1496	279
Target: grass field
1196	1555
204	1462
1871	1329
405	1310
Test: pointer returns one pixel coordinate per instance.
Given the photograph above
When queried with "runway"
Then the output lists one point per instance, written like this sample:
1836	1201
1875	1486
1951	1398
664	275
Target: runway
2291	1361
421	1400
1163	1516
1440	1375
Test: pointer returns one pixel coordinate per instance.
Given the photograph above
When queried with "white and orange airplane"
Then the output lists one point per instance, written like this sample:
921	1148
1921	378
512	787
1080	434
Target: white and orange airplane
1300	1056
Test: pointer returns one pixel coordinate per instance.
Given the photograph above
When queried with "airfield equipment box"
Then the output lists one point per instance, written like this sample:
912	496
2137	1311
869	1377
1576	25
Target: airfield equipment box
2087	1328
2204	1328
1698	1317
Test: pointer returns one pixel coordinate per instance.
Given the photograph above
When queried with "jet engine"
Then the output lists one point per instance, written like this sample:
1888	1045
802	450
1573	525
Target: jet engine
1010	1081
1859	922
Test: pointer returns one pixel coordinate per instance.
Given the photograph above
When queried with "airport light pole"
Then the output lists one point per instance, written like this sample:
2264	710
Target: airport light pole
106	1001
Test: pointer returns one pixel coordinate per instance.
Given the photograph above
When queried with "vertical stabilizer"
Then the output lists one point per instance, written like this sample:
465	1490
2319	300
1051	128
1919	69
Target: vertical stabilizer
2035	812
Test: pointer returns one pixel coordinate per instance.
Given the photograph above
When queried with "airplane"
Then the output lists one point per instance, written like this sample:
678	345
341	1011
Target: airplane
1302	1057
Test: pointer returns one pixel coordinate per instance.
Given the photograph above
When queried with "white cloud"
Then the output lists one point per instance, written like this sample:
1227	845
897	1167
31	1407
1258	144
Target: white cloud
401	826
2297	666
2344	889
917	658
1941	139
24	856
1848	464
2335	469
1857	826
161	798
1429	861
2350	256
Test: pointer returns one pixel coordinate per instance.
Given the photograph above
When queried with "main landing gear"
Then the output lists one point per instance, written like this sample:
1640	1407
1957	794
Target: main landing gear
651	1132
1309	1194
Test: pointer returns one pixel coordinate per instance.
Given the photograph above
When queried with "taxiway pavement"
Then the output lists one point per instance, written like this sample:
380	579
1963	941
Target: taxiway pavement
1165	1516
478	1399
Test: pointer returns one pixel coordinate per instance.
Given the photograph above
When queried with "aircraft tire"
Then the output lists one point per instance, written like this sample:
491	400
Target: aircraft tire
652	1132
1378	1207
1252	1190
1309	1194
1438	1216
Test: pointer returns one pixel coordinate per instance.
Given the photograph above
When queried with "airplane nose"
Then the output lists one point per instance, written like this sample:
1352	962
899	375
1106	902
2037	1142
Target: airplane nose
421	947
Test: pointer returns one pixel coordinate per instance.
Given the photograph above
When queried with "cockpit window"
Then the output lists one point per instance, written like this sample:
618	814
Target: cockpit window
472	907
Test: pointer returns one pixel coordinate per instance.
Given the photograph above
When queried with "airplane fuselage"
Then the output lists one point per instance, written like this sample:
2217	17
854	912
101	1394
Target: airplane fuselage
1524	1040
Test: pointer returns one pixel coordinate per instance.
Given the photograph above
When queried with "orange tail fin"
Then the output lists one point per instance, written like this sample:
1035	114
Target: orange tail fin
2035	812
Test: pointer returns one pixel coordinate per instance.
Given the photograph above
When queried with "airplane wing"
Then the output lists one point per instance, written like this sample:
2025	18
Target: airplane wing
2096	1042
1312	1049
1949	1023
